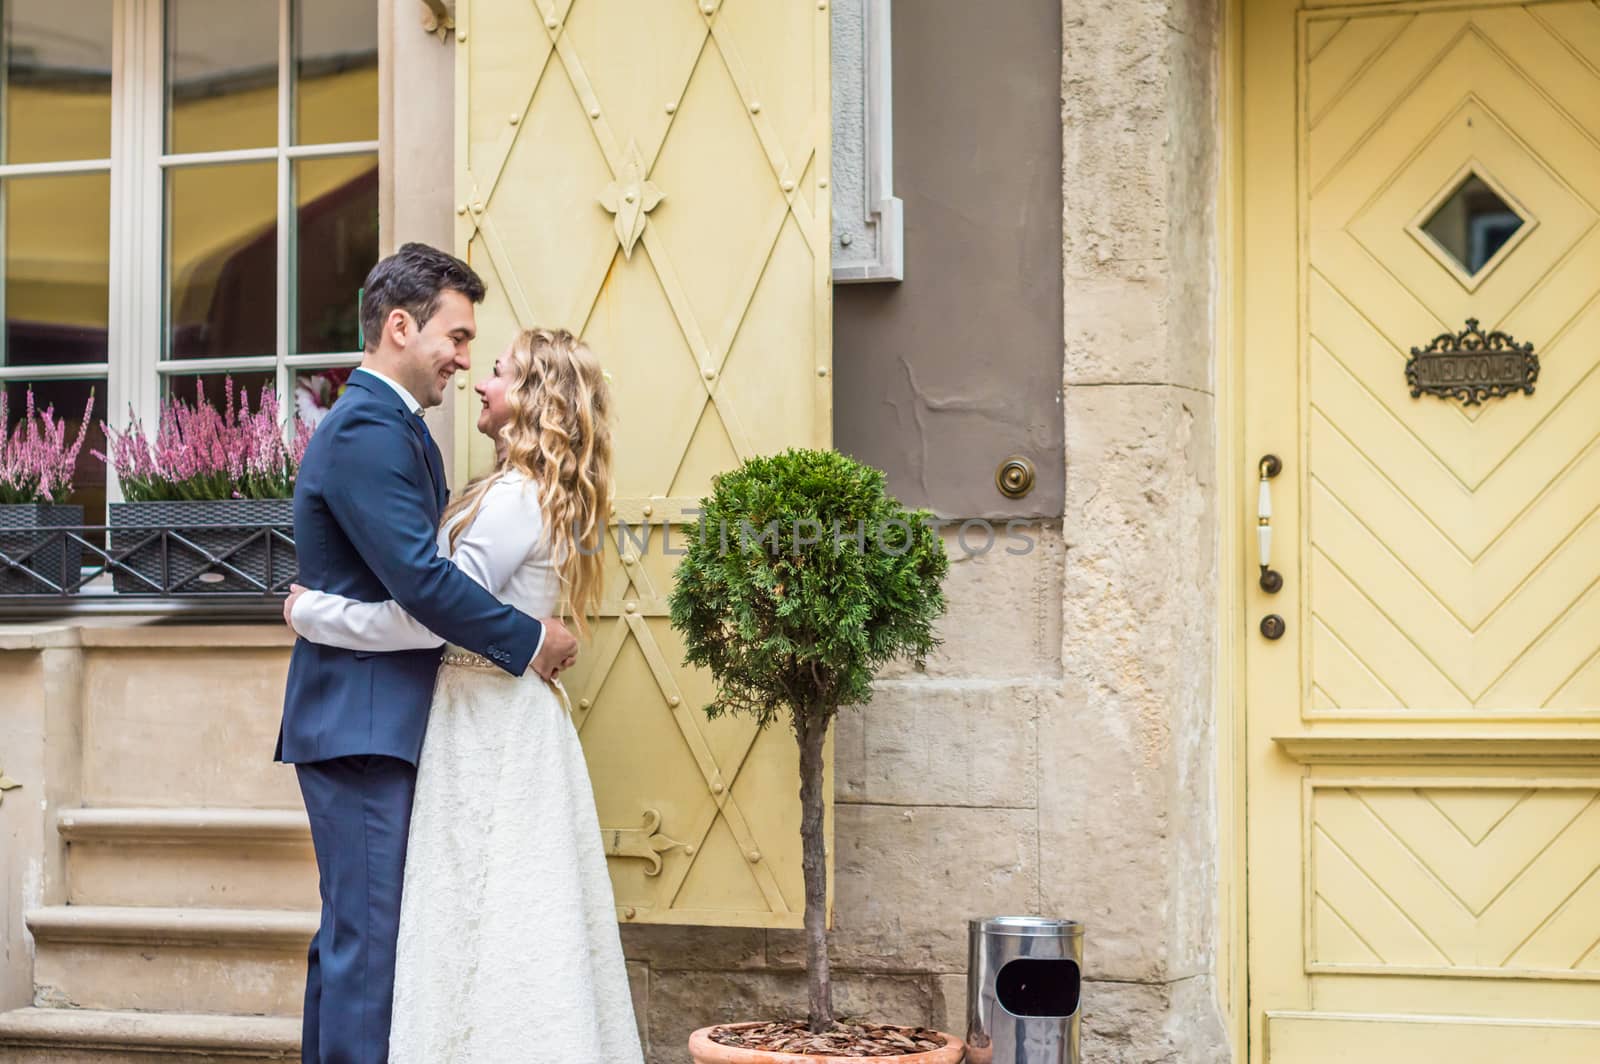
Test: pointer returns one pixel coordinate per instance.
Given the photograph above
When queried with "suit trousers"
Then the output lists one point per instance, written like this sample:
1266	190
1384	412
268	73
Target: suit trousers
360	813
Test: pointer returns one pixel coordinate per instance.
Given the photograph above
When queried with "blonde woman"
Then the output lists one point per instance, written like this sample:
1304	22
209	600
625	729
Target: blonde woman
508	937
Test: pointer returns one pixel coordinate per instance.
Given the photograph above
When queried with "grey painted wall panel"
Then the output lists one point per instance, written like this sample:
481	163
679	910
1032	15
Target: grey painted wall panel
941	376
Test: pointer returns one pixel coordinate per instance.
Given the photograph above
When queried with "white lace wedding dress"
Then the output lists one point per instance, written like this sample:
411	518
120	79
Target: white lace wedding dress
508	946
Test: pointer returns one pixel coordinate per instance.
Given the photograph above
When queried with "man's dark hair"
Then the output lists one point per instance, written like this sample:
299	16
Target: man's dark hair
412	280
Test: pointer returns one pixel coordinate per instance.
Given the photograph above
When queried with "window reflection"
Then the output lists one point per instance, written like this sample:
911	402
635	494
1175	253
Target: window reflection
57	268
57	80
316	390
222	260
1473	224
335	71
337	243
222	75
197	388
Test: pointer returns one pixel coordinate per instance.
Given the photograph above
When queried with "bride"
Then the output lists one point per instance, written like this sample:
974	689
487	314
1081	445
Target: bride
508	935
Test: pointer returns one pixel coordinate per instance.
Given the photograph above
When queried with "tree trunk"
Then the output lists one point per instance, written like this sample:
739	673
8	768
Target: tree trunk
812	734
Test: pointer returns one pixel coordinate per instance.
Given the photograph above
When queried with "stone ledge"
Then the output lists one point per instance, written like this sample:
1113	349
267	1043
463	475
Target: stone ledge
256	827
266	1037
38	636
188	637
121	633
140	926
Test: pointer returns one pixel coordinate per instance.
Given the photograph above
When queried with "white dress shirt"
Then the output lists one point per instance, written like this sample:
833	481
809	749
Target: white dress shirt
405	397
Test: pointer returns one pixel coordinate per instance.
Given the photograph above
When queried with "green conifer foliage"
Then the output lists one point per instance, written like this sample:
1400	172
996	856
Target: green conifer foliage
803	580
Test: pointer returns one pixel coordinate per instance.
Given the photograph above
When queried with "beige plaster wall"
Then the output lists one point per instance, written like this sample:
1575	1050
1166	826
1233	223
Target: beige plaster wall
122	715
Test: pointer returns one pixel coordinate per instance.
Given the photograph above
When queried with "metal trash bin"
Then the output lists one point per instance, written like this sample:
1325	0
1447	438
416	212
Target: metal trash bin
1024	990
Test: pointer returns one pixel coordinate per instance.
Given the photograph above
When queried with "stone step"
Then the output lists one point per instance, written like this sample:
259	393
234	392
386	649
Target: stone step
192	857
248	962
81	1036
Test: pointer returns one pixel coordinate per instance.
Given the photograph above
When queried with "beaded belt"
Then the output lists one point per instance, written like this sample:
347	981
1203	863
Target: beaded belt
467	660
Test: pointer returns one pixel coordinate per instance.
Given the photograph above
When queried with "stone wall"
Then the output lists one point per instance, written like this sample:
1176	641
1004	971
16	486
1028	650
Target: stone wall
1128	810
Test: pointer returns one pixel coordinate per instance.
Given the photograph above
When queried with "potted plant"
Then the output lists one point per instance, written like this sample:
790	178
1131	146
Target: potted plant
36	468
220	485
805	579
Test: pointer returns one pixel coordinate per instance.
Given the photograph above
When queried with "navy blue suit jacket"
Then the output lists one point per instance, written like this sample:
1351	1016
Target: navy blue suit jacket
367	503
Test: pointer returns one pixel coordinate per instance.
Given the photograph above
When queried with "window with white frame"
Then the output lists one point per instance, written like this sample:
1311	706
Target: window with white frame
190	192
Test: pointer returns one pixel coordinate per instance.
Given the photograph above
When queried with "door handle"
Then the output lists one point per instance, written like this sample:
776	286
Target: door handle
1269	467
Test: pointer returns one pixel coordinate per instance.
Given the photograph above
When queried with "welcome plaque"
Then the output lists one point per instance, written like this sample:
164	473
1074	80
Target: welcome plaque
1472	366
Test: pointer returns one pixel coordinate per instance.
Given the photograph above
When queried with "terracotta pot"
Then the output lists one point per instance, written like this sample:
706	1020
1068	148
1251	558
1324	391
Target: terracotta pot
705	1051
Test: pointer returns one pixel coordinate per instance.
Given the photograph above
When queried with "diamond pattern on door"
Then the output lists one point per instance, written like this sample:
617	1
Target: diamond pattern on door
654	175
1469	880
1446	542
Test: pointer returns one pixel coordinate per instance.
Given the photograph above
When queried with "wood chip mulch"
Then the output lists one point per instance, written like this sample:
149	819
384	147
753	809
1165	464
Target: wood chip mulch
845	1040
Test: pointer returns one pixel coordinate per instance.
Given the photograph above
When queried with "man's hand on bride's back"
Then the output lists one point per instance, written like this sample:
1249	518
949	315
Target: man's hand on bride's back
558	651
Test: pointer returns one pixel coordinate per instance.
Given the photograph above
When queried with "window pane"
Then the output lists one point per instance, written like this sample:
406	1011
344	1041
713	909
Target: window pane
316	390
335	71
222	74
337	243
192	388
57	80
57	268
222	265
69	398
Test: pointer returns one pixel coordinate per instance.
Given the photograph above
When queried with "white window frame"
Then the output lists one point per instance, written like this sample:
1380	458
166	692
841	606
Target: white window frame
142	200
868	219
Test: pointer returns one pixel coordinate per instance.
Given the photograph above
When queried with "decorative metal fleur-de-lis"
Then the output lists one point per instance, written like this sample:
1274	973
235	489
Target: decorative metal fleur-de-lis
630	198
646	843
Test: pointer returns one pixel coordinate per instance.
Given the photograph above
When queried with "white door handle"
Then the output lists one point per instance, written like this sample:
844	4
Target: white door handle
1269	467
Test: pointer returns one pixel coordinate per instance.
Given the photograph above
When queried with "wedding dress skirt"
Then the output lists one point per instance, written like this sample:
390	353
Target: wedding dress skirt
508	947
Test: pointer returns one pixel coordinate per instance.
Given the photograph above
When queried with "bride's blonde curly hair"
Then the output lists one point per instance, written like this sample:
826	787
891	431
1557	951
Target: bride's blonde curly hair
559	436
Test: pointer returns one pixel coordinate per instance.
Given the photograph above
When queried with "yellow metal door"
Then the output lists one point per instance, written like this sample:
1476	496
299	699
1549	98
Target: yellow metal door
653	175
1423	742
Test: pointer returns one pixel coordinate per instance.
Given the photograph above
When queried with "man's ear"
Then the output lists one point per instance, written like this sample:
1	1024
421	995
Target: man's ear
400	326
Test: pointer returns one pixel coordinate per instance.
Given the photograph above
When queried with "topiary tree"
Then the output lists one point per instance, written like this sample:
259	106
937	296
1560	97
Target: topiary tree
804	580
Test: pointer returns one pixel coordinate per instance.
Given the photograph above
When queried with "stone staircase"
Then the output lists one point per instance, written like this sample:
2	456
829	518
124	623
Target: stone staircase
175	923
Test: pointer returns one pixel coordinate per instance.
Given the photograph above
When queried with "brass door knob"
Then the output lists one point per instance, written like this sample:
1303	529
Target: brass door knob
1015	477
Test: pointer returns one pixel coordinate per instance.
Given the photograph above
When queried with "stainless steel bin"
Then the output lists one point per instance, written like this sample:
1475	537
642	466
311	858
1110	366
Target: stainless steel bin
1024	990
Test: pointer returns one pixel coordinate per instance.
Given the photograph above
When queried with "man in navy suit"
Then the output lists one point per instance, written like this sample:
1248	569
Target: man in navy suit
367	504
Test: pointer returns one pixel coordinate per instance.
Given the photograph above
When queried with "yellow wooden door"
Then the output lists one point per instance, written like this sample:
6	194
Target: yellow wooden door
653	175
1423	742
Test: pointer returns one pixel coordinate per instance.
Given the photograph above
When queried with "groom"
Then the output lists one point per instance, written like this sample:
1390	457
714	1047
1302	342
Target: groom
367	503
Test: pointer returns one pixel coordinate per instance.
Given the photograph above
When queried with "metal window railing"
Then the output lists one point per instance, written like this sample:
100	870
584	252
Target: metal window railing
47	568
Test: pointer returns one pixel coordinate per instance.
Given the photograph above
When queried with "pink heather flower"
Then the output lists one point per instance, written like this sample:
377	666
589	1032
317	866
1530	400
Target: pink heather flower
36	461
200	452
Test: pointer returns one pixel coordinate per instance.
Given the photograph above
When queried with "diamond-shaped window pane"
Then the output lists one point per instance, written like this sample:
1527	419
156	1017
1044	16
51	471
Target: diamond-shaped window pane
1472	224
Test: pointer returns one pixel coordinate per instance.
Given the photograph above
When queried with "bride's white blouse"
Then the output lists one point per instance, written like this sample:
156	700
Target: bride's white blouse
505	550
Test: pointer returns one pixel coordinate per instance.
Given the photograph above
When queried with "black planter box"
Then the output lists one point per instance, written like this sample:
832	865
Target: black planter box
56	561
210	547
